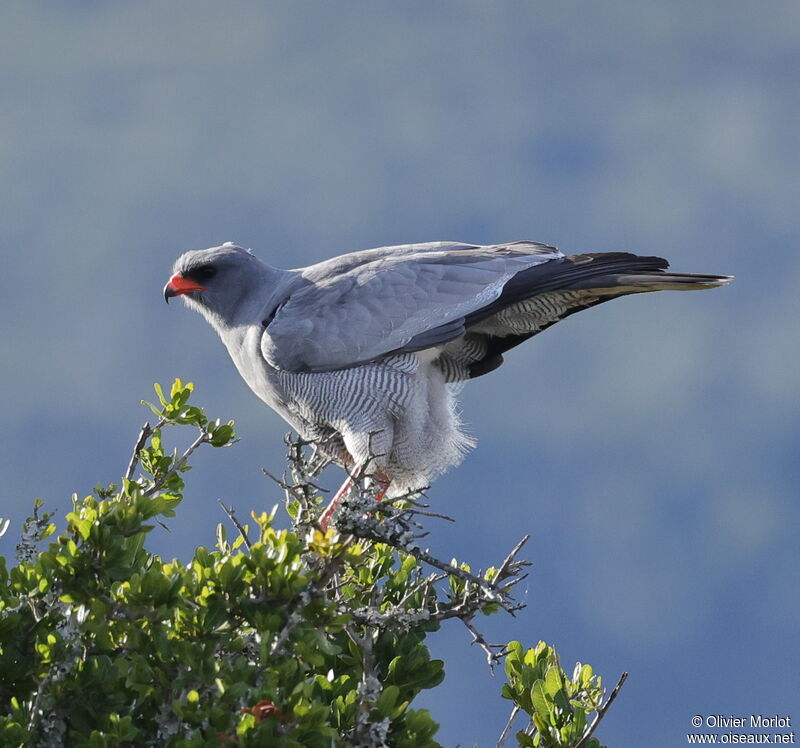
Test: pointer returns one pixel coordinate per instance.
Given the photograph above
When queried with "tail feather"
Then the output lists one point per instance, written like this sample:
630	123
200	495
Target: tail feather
609	269
621	284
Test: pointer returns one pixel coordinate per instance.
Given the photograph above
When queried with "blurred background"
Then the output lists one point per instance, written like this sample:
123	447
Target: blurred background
649	446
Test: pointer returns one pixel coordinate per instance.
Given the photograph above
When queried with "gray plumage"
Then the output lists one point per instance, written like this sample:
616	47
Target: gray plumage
364	352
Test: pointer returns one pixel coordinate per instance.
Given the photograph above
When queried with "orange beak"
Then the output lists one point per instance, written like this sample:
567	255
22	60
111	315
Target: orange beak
179	285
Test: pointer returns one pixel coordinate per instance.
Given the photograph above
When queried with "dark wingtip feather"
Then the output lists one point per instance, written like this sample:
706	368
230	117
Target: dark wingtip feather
610	260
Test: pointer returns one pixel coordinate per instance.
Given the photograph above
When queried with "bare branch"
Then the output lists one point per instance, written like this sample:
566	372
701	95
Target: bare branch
510	557
288	487
495	593
144	435
494	652
507	728
282	483
424	584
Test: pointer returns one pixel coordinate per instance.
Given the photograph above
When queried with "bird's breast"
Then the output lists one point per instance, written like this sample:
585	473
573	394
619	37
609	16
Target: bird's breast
262	378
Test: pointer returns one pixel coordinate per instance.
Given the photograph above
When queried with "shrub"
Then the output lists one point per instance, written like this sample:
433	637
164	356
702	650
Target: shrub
278	637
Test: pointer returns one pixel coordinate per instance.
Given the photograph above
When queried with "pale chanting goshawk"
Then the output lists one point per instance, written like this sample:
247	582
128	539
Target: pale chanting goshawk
364	353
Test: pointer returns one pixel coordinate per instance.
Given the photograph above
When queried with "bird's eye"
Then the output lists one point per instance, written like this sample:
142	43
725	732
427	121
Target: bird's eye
205	272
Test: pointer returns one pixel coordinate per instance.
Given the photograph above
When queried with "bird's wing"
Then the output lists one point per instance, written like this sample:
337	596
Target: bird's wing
481	349
362	306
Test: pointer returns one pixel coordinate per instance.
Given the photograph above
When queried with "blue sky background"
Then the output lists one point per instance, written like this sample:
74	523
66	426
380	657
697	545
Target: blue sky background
649	446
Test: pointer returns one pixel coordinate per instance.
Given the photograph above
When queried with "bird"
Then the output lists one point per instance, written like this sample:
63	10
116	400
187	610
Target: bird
364	353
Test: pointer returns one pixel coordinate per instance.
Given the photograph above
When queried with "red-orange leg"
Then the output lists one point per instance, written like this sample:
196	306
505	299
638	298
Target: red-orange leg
383	484
331	508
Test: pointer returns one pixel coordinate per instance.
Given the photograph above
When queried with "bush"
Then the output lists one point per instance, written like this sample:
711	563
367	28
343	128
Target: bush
298	637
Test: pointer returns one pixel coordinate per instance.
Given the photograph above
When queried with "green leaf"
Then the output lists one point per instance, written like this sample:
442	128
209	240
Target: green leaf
539	698
525	740
387	700
160	394
553	682
222	435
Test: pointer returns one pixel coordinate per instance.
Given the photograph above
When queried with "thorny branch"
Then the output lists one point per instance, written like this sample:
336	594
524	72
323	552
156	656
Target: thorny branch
395	522
494	652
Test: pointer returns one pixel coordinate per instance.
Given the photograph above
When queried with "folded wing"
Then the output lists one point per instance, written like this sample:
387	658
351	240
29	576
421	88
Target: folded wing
362	306
470	303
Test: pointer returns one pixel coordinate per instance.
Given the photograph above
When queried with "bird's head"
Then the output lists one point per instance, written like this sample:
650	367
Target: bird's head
216	281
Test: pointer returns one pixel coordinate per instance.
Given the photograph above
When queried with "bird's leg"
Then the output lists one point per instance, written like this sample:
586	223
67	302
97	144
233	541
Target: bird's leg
331	508
383	486
377	447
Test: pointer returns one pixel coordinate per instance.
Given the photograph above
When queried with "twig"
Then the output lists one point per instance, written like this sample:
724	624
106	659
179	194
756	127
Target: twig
601	712
36	701
510	557
449	569
507	728
494	652
144	435
282	483
505	569
156	487
232	517
286	486
424	584
415	507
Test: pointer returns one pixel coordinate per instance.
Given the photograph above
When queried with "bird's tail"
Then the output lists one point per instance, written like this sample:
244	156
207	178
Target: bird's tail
606	275
538	297
619	273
